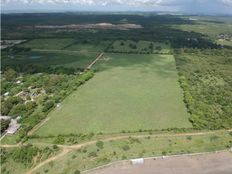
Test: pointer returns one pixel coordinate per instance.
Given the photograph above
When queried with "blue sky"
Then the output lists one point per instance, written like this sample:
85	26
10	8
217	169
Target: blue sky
189	6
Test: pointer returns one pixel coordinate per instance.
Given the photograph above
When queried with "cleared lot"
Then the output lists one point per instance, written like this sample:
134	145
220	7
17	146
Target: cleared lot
201	164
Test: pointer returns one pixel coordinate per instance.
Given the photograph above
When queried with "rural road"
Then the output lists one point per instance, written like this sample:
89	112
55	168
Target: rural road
91	64
68	148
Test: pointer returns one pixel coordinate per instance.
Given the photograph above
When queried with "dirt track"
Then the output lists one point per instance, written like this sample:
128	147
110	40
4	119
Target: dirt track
215	163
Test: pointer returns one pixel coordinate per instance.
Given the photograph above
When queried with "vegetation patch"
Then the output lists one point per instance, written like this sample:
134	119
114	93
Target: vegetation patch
205	77
139	47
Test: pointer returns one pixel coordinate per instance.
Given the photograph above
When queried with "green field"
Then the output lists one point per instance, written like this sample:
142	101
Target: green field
88	47
55	44
50	58
129	92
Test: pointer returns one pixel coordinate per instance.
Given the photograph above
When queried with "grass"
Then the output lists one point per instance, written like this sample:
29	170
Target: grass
56	44
50	58
87	47
129	92
142	147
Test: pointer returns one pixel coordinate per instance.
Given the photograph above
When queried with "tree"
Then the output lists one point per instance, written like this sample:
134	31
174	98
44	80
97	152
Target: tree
4	124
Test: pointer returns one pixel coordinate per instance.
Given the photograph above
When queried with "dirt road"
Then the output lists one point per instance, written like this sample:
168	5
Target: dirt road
91	64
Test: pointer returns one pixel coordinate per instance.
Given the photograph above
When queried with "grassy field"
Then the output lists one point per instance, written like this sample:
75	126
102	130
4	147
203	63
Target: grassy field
93	156
129	92
87	47
48	43
50	58
130	46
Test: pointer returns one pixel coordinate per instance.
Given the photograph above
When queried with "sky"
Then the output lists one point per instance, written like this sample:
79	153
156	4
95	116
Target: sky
186	6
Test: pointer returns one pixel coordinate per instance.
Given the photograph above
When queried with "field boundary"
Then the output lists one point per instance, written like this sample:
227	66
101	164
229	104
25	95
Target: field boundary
39	125
92	63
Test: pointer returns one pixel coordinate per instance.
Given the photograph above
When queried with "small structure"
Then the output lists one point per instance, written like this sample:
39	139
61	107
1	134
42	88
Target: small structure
18	82
137	161
6	94
13	126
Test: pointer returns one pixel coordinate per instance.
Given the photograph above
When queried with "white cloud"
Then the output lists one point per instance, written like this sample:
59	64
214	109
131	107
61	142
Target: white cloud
201	6
122	2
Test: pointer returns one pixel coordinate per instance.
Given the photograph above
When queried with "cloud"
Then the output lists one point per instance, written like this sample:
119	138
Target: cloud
122	2
218	6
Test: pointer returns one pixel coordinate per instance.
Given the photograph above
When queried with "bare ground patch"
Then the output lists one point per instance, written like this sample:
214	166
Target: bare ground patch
213	163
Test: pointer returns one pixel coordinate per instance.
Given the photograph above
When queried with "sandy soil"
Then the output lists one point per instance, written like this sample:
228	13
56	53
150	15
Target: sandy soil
216	163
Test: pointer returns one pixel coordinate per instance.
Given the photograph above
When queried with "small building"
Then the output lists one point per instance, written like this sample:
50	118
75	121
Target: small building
137	161
6	94
18	82
13	126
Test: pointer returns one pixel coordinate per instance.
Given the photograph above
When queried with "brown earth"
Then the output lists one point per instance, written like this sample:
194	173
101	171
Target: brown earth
214	163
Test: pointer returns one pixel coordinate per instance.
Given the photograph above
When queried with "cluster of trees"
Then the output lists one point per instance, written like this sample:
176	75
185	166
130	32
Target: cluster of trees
206	78
4	124
26	154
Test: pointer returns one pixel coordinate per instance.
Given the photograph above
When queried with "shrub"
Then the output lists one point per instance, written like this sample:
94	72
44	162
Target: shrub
126	147
100	144
189	138
92	154
77	172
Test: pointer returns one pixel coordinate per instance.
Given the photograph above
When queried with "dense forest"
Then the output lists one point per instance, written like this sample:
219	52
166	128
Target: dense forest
206	78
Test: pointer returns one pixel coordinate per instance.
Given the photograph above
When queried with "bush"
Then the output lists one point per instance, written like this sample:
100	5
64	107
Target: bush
92	154
189	138
77	172
126	147
100	144
59	140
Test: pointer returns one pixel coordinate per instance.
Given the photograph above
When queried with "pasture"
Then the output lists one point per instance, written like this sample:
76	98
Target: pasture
71	59
85	46
55	44
128	93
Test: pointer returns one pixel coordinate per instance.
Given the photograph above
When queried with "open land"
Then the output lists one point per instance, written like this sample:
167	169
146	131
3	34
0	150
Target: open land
133	90
208	163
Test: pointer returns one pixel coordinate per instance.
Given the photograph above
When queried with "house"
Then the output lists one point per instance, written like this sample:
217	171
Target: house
13	126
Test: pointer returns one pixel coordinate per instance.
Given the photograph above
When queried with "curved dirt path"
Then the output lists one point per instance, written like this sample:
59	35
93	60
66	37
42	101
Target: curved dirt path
69	148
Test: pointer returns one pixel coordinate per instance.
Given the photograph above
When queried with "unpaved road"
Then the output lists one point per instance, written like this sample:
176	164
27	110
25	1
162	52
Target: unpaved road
98	57
214	163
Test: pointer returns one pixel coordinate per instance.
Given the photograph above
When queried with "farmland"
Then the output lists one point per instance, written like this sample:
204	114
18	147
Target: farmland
128	90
